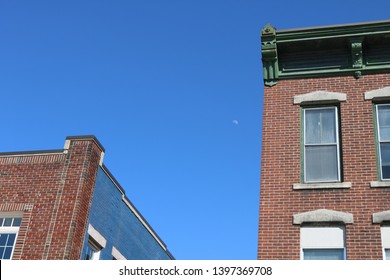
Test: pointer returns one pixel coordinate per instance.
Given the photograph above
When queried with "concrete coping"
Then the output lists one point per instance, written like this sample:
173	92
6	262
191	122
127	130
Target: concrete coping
83	138
378	94
86	138
322	215
381	217
319	97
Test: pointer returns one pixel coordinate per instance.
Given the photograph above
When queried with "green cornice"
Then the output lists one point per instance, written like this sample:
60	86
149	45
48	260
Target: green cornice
333	31
353	49
269	54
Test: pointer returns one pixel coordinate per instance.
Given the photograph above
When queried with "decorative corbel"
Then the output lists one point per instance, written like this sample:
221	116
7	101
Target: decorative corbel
269	55
356	44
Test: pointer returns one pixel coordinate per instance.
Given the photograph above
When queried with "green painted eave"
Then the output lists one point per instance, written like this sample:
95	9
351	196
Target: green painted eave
333	31
351	49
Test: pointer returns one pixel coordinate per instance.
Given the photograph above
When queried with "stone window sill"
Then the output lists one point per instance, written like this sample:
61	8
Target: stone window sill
380	184
315	186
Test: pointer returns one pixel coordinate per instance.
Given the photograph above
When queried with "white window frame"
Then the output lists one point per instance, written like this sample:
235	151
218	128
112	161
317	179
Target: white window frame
95	248
327	144
322	238
96	242
385	234
379	140
10	230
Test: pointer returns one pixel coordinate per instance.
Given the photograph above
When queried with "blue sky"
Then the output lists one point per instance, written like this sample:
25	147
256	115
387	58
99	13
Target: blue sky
173	91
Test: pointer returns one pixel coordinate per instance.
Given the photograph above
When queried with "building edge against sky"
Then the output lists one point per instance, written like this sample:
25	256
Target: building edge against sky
325	170
65	204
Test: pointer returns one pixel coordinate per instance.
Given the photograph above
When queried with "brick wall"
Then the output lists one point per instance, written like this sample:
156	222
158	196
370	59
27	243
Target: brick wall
280	168
53	192
121	226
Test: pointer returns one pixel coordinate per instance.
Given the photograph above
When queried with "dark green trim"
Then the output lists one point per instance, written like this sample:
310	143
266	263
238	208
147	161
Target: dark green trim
375	124
354	49
328	72
340	143
269	55
302	157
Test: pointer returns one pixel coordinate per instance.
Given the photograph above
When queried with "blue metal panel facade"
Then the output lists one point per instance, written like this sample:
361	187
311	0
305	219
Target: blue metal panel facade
121	228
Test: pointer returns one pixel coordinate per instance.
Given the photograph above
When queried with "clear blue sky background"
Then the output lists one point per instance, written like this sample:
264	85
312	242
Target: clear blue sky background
173	91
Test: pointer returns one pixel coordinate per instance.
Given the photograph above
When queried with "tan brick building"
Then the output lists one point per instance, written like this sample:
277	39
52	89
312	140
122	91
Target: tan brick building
325	171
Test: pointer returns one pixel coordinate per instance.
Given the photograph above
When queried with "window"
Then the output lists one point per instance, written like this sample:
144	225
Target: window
95	244
93	250
321	145
383	130
323	243
323	254
9	228
385	232
387	254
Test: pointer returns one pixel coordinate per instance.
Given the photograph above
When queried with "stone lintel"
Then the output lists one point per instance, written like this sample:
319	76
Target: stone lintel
322	215
378	94
380	217
320	97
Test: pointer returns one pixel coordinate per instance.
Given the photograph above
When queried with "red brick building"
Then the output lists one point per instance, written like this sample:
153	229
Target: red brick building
65	204
325	171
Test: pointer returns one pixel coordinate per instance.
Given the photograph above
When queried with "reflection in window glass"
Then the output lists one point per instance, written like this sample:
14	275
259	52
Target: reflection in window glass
7	222
17	222
323	254
7	242
387	254
321	145
92	251
9	228
383	124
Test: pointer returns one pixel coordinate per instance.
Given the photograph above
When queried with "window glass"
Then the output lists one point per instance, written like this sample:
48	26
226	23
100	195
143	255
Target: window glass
321	155
387	254
92	251
385	234
320	126
9	228
3	239
323	254
17	222
321	163
384	122
7	242
323	242
385	160
7	222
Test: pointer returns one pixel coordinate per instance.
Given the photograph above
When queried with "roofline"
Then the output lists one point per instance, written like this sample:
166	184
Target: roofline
326	32
86	137
136	212
108	173
54	151
347	40
29	153
332	26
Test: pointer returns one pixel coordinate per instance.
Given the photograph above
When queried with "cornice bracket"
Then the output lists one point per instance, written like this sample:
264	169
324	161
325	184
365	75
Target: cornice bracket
356	45
269	55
